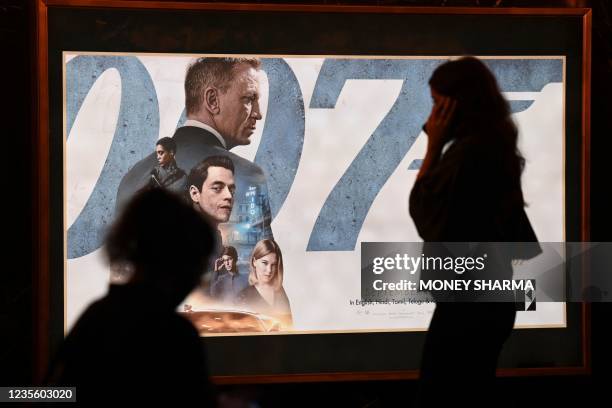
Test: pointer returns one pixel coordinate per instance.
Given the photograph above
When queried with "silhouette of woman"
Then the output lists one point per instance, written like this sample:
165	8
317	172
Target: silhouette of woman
470	192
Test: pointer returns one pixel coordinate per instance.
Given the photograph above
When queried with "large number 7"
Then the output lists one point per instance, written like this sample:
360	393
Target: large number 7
342	216
346	207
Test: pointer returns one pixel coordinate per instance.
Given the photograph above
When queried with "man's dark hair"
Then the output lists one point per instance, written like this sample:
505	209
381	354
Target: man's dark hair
167	143
211	71
199	173
232	253
158	233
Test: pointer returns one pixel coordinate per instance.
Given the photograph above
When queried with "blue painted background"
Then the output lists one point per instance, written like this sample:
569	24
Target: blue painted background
341	217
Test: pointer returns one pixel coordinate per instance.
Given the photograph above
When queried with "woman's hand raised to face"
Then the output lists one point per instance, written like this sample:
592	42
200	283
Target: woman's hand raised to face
439	120
436	128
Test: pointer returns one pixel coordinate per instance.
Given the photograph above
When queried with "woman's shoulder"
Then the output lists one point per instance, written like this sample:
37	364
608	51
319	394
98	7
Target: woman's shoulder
282	301
249	290
282	294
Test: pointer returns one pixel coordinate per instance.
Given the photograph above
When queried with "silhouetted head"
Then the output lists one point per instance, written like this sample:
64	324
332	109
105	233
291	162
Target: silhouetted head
481	113
469	82
166	242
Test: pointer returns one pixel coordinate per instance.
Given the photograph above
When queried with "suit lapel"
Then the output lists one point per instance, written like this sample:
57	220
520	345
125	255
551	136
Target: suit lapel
187	134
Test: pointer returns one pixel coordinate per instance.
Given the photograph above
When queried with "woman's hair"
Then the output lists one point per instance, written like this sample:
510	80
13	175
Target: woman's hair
167	143
481	110
263	248
231	252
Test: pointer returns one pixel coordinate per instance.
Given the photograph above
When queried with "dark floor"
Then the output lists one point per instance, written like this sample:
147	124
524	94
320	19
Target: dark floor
510	392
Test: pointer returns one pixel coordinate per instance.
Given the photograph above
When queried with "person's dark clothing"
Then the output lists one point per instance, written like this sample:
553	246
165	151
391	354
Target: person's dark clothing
468	196
226	286
250	297
460	354
170	177
130	346
209	270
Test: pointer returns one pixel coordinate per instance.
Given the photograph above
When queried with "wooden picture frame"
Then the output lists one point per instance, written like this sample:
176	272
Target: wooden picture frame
117	21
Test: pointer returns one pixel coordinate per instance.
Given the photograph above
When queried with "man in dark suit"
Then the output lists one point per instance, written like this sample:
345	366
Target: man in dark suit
222	106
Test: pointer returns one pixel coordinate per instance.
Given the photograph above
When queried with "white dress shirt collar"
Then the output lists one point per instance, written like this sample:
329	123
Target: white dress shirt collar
197	123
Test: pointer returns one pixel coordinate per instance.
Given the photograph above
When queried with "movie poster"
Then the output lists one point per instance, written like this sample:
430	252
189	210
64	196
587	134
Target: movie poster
332	154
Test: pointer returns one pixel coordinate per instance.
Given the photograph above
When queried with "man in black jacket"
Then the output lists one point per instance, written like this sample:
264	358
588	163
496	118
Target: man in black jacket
222	106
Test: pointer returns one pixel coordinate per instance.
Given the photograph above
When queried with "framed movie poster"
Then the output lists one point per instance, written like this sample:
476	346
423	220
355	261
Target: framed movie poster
324	150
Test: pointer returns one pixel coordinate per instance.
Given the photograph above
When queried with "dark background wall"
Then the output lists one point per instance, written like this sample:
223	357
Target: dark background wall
16	276
16	284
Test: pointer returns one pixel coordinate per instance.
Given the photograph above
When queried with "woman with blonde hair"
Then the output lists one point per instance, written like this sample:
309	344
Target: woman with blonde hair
265	293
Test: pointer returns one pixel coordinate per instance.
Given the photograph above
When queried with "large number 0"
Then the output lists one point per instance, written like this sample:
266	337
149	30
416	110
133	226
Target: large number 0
283	131
343	213
137	129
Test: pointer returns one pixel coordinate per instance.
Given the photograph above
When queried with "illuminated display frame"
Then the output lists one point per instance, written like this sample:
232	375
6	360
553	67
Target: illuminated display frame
115	26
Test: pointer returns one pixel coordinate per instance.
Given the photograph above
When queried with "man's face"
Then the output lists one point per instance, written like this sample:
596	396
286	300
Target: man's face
239	107
216	196
228	262
163	156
